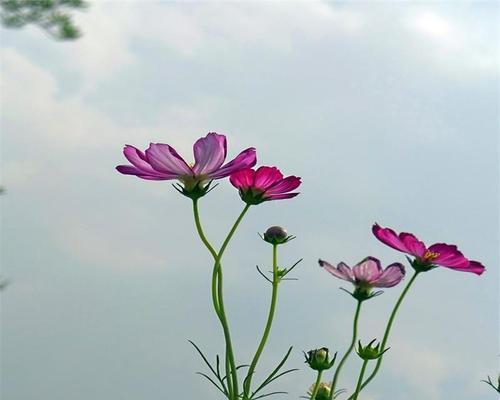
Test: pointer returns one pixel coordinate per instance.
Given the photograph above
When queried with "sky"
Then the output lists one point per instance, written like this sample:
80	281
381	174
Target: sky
387	110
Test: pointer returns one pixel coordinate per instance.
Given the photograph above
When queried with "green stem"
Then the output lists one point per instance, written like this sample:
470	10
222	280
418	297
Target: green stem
274	296
349	350
388	330
218	295
212	251
316	386
360	380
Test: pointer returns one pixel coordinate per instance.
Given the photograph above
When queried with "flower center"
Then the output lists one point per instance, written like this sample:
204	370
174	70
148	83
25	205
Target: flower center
430	256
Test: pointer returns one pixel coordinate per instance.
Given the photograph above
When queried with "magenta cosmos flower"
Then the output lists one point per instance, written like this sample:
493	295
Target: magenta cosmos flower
161	162
265	184
366	275
426	258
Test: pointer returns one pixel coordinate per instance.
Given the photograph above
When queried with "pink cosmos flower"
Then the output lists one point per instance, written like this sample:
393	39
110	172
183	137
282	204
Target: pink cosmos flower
265	184
439	254
161	162
368	273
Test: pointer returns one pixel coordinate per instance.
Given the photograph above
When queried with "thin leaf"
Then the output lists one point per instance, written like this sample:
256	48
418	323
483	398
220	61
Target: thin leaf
208	363
213	382
268	394
265	277
274	372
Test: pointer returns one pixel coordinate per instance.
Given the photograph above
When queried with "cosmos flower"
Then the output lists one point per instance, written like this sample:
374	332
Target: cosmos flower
368	273
264	184
161	162
426	258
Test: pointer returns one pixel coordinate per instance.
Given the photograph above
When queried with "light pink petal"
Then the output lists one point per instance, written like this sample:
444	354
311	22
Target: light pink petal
246	159
131	170
367	270
342	272
412	244
389	237
266	177
243	179
138	159
448	256
164	158
346	270
391	276
286	185
209	153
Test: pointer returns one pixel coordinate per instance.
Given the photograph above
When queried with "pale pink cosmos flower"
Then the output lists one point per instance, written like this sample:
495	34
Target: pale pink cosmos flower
264	184
368	273
439	254
161	162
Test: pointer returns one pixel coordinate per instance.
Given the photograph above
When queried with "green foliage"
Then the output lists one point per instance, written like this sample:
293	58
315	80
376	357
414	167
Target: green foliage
50	15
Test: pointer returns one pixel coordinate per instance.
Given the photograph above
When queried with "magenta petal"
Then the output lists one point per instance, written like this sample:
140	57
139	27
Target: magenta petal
342	272
474	266
243	179
391	276
209	153
448	256
286	185
246	159
165	159
266	177
282	196
389	237
412	244
367	270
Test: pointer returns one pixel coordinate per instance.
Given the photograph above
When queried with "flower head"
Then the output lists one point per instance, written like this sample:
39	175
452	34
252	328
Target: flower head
426	258
264	184
319	359
161	162
366	275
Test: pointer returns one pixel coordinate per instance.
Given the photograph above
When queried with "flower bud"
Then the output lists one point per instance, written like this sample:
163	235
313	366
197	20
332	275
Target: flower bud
323	392
319	359
370	352
276	235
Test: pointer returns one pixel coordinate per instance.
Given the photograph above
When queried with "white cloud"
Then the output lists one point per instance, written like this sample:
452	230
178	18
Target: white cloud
191	28
460	46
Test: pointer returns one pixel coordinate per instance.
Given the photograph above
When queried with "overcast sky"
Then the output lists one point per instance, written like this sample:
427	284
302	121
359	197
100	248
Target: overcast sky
389	113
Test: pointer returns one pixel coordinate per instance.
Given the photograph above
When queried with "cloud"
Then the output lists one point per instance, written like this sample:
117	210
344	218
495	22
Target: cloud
456	43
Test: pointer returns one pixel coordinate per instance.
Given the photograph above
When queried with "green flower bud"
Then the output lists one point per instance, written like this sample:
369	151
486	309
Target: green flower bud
370	352
319	359
323	392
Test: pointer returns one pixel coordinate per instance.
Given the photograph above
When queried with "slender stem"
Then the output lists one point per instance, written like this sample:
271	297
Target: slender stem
316	386
274	296
388	330
349	350
360	380
218	295
212	251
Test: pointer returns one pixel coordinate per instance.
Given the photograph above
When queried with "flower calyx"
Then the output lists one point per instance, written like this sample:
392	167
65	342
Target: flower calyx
370	351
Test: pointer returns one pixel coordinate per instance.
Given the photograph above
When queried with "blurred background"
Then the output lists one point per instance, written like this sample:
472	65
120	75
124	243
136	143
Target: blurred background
388	111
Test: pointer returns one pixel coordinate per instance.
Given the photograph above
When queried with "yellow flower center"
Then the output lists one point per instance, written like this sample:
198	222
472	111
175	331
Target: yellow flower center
430	256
